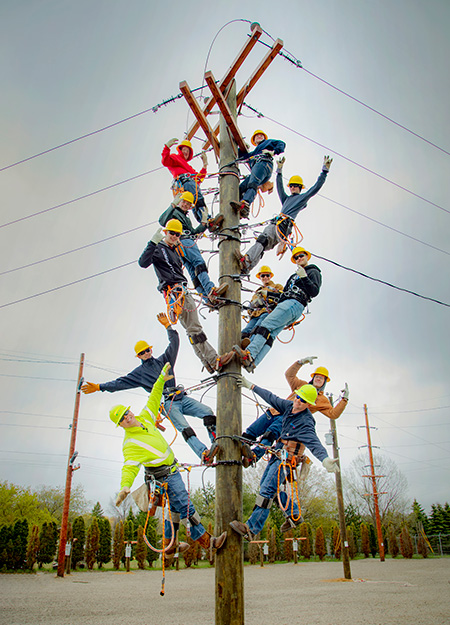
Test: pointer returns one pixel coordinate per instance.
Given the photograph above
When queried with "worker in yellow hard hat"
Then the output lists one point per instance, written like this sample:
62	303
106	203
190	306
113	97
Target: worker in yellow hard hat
188	249
298	430
260	161
161	252
281	226
263	301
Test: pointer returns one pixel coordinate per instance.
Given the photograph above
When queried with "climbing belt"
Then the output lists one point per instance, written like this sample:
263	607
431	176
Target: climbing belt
284	464
156	489
294	238
174	297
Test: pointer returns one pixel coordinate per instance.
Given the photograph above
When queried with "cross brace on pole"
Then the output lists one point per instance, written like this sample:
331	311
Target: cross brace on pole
201	118
224	109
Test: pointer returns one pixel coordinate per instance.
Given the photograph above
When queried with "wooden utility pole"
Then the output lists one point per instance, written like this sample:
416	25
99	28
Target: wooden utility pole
70	470
340	502
229	561
374	488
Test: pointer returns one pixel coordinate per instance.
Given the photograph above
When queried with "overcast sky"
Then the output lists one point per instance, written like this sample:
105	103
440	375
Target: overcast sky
70	68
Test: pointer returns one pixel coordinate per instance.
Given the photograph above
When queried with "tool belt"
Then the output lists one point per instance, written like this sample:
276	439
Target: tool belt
260	157
159	473
284	224
295	451
295	292
174	392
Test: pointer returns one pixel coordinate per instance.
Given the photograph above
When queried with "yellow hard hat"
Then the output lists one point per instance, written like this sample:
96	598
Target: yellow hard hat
187	144
299	250
140	346
174	225
188	196
258	132
295	180
264	269
308	393
321	371
116	413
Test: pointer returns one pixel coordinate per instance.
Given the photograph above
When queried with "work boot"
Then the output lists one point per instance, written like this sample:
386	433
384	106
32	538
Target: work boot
212	543
289	524
243	529
224	360
248	457
242	208
245	357
217	291
209	454
242	260
245	342
169	554
214	223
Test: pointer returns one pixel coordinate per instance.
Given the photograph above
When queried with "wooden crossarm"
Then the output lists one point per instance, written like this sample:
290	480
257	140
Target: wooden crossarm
224	109
200	116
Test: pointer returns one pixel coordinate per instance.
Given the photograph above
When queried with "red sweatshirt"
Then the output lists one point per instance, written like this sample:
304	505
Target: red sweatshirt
177	164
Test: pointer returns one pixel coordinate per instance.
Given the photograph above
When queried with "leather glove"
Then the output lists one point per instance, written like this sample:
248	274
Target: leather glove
280	162
171	142
307	361
204	159
331	465
345	392
326	163
90	387
301	272
268	152
157	237
204	218
244	383
165	372
122	495
163	319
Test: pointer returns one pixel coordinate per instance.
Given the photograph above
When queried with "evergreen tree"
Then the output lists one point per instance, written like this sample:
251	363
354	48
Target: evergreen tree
365	542
79	537
118	545
104	549
373	542
419	516
406	545
47	544
153	539
311	537
97	511
305	545
141	548
20	538
92	543
6	547
129	533
438	519
33	546
320	547
392	540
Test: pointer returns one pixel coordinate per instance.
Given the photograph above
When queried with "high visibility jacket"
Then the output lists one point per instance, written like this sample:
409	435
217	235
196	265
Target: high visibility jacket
144	445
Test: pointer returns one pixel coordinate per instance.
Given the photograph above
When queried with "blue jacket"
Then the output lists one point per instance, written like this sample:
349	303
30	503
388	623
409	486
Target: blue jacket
149	370
275	145
291	205
298	426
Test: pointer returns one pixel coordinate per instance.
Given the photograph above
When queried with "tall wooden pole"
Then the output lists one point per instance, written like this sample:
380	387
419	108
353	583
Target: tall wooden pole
340	502
229	561
374	487
73	437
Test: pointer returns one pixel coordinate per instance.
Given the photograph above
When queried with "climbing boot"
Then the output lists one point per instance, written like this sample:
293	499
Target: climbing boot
216	292
224	360
289	524
169	554
243	529
215	223
242	260
248	457
242	208
212	543
245	342
209	454
245	357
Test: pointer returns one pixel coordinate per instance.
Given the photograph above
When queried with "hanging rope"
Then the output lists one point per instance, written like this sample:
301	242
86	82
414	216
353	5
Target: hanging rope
291	327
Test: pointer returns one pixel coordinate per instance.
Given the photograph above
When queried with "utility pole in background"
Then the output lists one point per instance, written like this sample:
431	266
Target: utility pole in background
374	488
70	470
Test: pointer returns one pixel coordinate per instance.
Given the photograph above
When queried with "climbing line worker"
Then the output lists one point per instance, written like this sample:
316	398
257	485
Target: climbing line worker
260	161
143	445
298	426
176	402
161	253
281	226
188	249
298	291
262	303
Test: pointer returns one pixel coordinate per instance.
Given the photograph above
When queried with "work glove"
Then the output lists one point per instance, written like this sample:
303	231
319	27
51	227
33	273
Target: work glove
122	495
345	392
204	217
204	159
307	361
331	465
244	383
90	387
163	319
157	237
165	372
171	142
326	163
301	272
280	162
268	152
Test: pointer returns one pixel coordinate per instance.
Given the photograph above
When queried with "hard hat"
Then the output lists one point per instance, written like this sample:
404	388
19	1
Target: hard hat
299	250
117	412
264	269
188	196
140	346
295	180
321	371
187	144
308	393
258	132
174	225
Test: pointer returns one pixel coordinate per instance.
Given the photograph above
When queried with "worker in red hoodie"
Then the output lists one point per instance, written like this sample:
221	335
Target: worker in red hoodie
185	178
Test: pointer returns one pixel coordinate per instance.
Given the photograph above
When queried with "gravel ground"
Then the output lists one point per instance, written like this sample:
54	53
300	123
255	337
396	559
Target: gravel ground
412	592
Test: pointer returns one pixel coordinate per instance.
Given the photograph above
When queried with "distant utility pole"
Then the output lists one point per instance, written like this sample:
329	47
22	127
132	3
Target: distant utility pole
70	470
340	502
374	488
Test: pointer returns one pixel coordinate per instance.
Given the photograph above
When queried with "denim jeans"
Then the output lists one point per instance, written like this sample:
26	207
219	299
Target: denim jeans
268	488
267	422
251	325
194	188
193	258
284	314
260	173
193	408
178	499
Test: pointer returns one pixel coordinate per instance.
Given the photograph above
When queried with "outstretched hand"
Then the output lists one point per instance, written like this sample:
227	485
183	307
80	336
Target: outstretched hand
165	372
327	160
